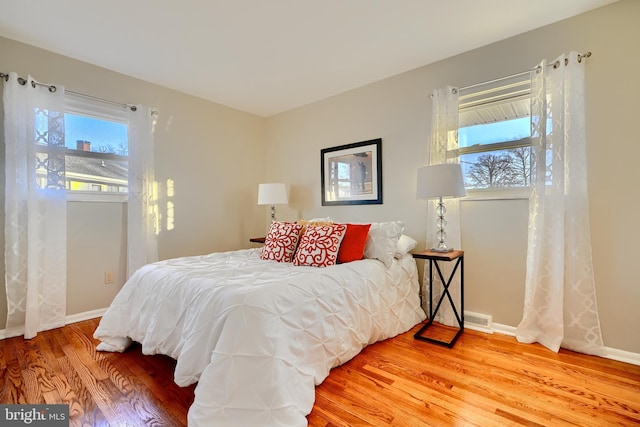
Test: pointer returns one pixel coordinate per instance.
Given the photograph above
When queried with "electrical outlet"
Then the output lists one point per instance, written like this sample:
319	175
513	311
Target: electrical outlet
108	277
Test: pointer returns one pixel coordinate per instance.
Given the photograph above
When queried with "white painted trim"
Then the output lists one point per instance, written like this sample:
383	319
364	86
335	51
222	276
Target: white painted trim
493	327
479	328
611	353
96	196
504	329
622	356
85	316
68	319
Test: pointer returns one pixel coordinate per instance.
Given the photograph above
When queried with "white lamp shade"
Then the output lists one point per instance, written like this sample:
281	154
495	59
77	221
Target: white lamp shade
444	180
272	194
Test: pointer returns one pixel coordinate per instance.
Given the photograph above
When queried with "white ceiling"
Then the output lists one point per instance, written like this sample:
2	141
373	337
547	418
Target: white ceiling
268	56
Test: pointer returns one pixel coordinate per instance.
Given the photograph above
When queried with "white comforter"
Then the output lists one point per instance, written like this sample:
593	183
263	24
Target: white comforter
259	335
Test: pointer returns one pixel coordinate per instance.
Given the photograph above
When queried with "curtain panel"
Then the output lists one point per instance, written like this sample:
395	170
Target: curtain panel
35	207
142	210
444	137
560	308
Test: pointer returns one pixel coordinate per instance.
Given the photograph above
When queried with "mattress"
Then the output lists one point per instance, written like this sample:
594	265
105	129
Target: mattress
258	335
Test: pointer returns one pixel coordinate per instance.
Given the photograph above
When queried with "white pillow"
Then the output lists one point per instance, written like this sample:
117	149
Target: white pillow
382	240
322	219
405	244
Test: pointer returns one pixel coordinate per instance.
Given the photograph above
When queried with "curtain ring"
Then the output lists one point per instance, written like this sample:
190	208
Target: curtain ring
556	64
53	89
21	81
133	108
585	55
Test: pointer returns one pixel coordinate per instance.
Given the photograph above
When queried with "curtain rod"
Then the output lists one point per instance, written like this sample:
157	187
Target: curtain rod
52	89
555	64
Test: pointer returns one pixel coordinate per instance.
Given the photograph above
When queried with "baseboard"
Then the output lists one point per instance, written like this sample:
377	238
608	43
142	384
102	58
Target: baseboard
610	353
68	319
85	316
504	329
489	328
622	356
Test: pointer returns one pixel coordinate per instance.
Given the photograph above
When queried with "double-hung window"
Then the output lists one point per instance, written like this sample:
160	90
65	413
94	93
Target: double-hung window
95	150
494	138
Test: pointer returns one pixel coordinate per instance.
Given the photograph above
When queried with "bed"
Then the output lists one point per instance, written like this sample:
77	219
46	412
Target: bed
258	335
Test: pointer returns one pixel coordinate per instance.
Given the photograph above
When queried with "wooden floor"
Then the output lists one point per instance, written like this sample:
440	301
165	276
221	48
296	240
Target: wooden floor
485	380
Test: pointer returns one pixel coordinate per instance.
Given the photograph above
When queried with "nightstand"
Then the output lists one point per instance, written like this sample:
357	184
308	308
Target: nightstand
257	239
434	258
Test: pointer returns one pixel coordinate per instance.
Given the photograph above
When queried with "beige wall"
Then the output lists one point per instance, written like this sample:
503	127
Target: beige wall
494	233
196	142
200	145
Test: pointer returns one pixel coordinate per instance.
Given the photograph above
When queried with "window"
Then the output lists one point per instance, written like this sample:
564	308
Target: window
494	137
95	153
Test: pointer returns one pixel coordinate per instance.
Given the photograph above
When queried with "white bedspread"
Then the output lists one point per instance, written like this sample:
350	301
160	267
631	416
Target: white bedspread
259	335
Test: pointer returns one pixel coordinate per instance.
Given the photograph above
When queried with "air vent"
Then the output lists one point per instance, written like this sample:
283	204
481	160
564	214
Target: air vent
477	321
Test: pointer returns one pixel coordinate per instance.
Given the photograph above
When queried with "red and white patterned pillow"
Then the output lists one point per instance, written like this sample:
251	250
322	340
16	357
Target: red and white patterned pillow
281	241
319	245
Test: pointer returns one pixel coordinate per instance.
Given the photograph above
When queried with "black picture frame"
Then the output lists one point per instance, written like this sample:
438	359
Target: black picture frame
351	174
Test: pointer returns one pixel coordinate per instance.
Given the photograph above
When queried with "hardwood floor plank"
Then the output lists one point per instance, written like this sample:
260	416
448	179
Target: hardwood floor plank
10	376
539	380
131	400
3	356
335	416
84	351
82	408
485	380
106	402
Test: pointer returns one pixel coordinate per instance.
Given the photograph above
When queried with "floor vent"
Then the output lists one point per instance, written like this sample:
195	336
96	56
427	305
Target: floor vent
481	322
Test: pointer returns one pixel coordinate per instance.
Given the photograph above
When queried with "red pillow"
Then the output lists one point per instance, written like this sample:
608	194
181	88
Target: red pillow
352	246
319	245
281	241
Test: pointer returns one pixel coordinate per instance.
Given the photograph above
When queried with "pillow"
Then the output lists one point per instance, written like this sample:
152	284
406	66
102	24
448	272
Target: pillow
319	245
322	219
405	244
281	241
352	246
382	240
314	221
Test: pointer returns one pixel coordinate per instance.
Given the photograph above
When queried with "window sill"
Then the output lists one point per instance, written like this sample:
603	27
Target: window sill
484	195
95	196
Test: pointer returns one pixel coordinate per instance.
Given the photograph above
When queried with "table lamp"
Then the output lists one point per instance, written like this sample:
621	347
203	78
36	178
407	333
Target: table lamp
272	194
438	182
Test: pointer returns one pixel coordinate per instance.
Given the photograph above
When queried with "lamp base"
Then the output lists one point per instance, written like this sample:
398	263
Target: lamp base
441	250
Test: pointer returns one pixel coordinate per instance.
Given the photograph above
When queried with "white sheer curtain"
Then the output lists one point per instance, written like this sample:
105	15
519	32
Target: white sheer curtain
444	136
35	207
142	246
560	299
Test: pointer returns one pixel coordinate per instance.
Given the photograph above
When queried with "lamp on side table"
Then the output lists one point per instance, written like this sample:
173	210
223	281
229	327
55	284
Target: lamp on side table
272	194
438	182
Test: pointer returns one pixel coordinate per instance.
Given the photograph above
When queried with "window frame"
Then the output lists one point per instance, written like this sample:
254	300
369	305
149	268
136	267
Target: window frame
86	106
484	95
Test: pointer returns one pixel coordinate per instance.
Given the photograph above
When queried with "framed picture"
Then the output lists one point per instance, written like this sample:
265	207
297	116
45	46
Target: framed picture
352	174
